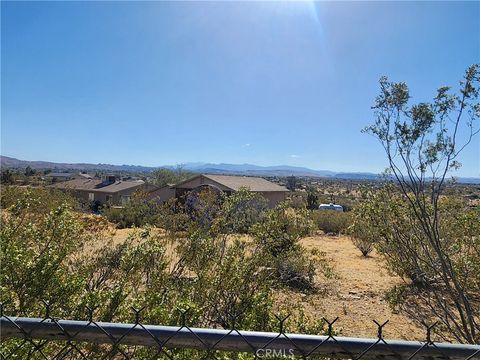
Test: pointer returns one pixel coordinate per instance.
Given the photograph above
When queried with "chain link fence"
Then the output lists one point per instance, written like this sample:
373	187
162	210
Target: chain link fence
51	338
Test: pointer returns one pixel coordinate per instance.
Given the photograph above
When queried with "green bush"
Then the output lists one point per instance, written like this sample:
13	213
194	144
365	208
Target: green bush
395	296
361	233
281	229
295	269
331	222
241	210
38	235
276	240
312	198
40	200
139	211
172	217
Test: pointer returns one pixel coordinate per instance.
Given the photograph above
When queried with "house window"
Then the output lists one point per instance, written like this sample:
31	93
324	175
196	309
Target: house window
91	196
125	199
109	198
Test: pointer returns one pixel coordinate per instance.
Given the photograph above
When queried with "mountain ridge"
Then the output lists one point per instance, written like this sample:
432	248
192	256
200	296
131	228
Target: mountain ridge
200	167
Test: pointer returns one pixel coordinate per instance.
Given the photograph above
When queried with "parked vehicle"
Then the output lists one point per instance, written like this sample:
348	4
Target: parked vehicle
331	206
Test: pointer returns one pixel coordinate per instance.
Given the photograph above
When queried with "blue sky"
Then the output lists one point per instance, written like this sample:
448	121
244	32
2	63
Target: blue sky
267	83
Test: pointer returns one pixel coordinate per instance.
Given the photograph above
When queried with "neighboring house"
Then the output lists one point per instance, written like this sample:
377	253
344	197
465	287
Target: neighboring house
63	176
56	177
105	191
272	192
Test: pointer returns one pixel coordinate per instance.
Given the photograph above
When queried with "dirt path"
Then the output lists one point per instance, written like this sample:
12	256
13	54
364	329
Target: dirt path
357	295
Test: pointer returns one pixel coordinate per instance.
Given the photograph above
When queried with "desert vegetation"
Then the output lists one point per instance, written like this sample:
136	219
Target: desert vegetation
221	256
50	251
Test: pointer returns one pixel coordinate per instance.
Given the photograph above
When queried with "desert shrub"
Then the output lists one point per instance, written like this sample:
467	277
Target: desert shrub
295	269
203	206
172	217
241	210
45	256
382	218
37	199
361	231
281	229
365	245
38	235
422	143
331	222
229	282
139	211
387	221
52	252
395	296
94	206
297	200
277	238
7	177
117	216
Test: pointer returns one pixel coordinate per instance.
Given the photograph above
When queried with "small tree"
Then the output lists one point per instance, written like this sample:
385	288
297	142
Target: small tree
29	171
422	143
292	183
163	176
7	177
312	198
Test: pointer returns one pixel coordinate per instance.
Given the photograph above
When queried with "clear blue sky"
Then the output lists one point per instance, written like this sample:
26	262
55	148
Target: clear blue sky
267	83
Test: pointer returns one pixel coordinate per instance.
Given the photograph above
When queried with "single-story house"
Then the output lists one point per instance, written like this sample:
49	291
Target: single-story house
65	176
274	193
107	190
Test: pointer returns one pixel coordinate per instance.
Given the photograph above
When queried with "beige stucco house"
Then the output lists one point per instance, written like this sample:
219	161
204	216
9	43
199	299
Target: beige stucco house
107	190
274	193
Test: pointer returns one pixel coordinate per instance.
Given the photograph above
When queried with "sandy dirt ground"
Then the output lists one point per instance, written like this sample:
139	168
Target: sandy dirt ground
355	294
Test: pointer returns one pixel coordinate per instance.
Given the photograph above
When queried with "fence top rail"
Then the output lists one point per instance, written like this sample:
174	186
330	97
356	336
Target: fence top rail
228	340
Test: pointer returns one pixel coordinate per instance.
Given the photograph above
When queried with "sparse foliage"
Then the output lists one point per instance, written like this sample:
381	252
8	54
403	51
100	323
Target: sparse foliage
423	142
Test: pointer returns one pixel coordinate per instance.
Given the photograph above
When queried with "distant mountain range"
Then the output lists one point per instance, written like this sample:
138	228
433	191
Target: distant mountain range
9	162
281	170
207	168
